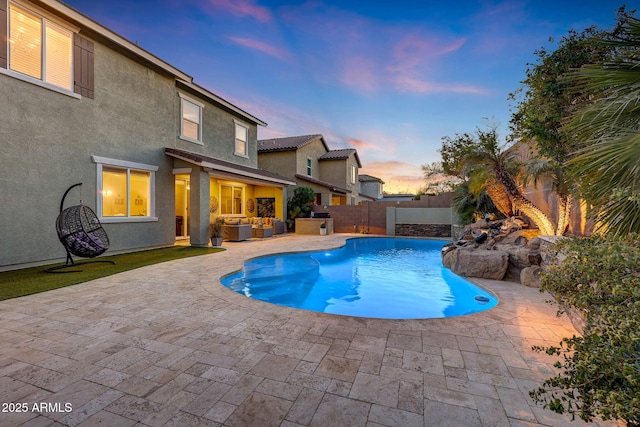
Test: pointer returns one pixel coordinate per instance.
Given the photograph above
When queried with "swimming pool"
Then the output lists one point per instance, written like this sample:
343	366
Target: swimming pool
386	277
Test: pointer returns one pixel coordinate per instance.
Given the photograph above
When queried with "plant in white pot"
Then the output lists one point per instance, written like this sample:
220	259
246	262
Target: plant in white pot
323	228
217	232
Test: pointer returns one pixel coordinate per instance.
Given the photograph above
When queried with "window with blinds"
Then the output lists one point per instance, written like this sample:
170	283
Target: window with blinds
39	48
191	120
241	140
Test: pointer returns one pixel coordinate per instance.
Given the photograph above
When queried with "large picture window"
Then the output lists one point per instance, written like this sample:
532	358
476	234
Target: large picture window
231	200
191	119
40	48
126	190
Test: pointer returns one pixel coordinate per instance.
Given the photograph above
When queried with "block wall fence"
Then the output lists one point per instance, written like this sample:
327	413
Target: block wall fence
371	217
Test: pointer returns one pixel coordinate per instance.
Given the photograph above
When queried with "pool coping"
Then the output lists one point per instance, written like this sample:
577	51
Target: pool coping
354	237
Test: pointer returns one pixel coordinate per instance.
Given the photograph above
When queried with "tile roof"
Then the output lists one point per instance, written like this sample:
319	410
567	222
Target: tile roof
363	177
328	185
228	167
287	144
341	155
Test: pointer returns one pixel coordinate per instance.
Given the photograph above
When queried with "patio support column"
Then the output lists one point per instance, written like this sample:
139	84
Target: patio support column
199	215
284	206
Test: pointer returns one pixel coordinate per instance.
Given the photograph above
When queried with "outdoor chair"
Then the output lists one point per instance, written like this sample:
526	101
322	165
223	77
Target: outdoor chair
81	234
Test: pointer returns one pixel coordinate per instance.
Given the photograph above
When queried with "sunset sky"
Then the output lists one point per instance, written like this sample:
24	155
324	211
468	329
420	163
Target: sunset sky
389	78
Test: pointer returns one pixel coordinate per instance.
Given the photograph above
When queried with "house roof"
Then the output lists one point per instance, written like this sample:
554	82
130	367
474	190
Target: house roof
363	177
366	196
223	103
133	50
342	154
325	184
290	143
228	169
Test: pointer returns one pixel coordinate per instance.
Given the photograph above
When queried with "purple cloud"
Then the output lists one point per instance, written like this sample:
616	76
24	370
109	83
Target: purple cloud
244	8
261	47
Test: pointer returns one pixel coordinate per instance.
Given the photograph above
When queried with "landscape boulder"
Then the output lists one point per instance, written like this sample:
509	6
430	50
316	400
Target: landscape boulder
530	276
477	263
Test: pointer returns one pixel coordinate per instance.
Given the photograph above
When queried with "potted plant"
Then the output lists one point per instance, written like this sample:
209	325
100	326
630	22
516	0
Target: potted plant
217	232
323	228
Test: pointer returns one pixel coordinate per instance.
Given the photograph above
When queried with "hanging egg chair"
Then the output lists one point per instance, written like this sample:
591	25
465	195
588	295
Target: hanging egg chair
81	234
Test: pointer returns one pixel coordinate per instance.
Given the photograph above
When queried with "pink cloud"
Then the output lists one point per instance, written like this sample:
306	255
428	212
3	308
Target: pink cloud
398	177
407	83
362	145
261	47
360	73
243	8
412	51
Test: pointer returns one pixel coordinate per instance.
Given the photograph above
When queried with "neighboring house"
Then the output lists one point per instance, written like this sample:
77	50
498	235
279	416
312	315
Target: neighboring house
332	174
399	197
159	156
370	187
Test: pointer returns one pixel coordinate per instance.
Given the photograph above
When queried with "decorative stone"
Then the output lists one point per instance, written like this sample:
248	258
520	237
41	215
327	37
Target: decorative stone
530	276
534	244
479	263
520	241
535	258
479	224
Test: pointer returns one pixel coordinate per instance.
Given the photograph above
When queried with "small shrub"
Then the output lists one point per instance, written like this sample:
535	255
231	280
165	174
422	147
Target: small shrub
599	375
299	206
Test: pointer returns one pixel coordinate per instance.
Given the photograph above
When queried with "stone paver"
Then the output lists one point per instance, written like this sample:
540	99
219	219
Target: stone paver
168	345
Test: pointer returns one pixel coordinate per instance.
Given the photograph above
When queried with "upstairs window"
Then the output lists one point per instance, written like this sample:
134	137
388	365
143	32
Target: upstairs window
242	133
308	166
191	119
39	48
353	174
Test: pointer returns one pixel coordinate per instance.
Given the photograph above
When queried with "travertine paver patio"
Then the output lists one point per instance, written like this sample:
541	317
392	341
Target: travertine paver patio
167	345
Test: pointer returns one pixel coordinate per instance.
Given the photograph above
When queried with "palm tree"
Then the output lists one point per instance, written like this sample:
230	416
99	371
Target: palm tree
501	168
471	206
608	168
561	185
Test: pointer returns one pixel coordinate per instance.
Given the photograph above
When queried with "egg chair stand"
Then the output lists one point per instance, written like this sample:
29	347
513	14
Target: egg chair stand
81	234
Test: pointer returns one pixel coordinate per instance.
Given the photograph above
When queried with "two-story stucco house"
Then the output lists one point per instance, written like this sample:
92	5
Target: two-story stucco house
332	174
159	156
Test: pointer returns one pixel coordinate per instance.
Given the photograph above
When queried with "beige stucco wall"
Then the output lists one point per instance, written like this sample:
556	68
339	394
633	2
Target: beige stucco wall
281	162
310	151
338	172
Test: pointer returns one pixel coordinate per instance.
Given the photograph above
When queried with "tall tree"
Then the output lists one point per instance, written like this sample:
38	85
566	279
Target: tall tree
486	163
608	167
546	100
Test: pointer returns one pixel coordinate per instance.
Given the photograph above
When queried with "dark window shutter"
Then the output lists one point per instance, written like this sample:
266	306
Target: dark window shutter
82	66
4	34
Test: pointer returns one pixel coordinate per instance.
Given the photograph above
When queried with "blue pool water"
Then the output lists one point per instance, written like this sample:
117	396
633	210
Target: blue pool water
390	278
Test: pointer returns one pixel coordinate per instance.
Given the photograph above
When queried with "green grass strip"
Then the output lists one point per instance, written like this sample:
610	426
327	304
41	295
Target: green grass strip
29	281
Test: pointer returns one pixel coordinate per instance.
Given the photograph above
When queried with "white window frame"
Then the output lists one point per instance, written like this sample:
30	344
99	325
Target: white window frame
46	17
233	186
353	174
200	106
237	123
128	166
